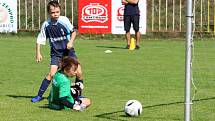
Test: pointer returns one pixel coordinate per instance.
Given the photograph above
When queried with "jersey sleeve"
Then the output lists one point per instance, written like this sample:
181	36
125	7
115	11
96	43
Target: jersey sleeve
70	26
41	38
65	21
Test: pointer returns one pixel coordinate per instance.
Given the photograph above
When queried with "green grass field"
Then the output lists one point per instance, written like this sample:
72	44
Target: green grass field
154	75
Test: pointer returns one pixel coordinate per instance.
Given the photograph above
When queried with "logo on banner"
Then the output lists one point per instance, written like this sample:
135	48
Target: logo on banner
120	13
5	10
3	15
94	13
8	16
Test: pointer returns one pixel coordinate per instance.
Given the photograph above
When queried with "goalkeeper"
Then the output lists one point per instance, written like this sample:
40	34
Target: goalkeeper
60	96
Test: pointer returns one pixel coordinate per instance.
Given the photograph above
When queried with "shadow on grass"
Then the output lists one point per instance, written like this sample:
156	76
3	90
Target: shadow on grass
110	47
180	102
109	115
22	96
44	106
29	97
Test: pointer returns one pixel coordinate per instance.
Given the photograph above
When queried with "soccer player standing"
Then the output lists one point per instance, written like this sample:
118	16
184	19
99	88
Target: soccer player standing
61	35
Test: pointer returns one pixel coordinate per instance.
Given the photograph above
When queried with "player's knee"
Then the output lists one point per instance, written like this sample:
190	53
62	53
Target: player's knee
127	30
136	30
87	102
79	70
79	76
79	73
50	76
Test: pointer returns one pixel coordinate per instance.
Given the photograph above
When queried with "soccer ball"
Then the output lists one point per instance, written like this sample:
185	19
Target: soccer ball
133	108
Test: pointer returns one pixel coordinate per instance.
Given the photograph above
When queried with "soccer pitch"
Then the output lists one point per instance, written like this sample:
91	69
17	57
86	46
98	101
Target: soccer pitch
153	75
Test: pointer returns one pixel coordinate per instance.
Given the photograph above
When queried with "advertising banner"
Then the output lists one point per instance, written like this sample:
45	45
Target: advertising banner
8	16
94	16
117	17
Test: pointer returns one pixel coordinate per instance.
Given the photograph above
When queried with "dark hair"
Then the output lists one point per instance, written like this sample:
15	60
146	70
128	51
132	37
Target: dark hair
54	3
67	62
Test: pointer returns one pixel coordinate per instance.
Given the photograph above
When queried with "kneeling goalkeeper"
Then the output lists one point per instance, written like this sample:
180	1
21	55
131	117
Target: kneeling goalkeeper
60	96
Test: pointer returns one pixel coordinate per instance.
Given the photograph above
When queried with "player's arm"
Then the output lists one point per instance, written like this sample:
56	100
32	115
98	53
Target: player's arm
65	94
124	2
66	102
72	34
38	54
72	39
41	40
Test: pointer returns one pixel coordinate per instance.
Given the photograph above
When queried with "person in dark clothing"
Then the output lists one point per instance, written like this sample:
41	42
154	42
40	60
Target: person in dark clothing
131	16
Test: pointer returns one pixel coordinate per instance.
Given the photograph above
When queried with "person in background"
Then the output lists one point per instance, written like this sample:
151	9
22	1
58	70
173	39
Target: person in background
131	16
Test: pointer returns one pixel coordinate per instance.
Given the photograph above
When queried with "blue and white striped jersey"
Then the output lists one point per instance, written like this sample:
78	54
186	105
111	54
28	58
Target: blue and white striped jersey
58	32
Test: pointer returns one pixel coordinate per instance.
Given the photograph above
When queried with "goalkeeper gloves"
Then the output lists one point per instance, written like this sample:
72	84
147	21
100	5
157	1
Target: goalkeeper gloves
80	84
79	107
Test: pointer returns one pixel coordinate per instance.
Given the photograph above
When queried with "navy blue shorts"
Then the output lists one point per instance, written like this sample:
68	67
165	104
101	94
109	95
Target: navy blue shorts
134	19
55	59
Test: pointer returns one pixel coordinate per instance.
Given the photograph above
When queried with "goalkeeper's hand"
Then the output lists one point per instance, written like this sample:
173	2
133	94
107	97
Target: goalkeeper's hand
79	107
80	84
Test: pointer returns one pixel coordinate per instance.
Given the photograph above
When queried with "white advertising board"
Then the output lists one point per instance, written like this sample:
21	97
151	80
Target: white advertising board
117	17
8	16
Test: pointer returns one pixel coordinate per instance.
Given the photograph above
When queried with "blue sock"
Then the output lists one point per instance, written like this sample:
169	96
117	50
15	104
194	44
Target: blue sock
43	87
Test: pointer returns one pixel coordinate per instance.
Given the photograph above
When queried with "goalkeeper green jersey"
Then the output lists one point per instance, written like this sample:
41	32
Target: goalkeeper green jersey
60	88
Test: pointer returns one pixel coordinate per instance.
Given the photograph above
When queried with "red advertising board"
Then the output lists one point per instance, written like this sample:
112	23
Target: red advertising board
94	16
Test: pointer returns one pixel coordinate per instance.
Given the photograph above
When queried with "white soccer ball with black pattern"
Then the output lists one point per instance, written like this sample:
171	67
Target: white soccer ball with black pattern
133	108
